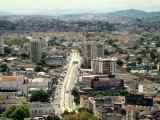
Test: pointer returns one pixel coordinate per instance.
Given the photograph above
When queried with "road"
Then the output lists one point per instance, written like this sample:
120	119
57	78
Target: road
63	99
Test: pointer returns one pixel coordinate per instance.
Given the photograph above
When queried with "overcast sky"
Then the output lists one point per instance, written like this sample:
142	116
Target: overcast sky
36	5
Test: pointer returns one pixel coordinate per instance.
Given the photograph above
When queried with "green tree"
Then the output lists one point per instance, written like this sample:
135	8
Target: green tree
9	111
110	42
39	96
106	52
119	62
74	91
3	67
139	60
17	113
38	68
22	69
53	117
24	56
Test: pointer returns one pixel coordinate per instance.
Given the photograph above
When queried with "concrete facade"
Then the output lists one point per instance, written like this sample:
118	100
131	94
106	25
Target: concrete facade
36	50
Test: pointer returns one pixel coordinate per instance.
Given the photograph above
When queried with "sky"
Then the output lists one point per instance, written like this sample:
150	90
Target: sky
41	5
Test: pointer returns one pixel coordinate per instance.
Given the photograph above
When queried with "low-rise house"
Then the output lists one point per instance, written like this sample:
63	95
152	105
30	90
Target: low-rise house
54	60
145	86
139	99
105	100
38	83
40	108
9	99
144	70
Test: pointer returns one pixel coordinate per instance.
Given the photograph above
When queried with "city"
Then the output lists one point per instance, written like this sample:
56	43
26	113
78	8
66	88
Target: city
83	66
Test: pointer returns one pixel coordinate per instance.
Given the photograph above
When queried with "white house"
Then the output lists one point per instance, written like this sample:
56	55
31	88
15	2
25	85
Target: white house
40	108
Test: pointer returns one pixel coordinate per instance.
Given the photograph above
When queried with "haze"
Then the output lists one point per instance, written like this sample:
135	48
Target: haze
34	6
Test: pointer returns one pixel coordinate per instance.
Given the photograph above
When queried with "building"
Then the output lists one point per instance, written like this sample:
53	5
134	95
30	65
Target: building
144	70
139	99
103	66
39	83
1	45
35	50
102	82
94	102
9	99
54	60
110	108
91	50
145	86
14	84
40	108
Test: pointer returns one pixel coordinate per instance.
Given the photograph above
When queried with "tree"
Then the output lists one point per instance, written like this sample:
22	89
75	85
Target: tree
106	52
3	67
39	96
110	42
139	59
17	113
24	55
74	91
38	68
119	62
53	117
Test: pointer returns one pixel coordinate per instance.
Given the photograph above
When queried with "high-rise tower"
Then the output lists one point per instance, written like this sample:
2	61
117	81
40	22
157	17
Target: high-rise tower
36	50
1	45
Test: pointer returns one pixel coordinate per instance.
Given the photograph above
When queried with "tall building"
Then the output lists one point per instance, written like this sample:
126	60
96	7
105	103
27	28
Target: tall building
1	45
103	66
36	50
91	50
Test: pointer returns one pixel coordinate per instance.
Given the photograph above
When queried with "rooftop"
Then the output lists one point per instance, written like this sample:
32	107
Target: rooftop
12	78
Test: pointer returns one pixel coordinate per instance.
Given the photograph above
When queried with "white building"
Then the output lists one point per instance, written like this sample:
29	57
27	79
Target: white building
103	66
14	84
36	84
36	50
40	108
147	87
1	45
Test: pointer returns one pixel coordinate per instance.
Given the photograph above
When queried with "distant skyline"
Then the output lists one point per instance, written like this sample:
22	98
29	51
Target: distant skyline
84	6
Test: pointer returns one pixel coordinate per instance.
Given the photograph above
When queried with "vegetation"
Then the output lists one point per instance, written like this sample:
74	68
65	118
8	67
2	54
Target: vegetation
15	42
53	117
74	92
17	113
119	62
3	67
38	68
109	93
39	96
83	114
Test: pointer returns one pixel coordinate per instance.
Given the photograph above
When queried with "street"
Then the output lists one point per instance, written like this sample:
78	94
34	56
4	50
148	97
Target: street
63	100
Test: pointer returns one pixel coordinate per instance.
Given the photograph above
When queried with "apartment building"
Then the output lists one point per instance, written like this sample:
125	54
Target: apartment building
91	50
1	45
35	50
103	66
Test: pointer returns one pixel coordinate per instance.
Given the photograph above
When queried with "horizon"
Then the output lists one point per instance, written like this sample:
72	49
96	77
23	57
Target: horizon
74	7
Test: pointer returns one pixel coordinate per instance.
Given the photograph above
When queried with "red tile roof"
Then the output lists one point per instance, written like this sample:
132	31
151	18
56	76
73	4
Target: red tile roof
12	78
127	108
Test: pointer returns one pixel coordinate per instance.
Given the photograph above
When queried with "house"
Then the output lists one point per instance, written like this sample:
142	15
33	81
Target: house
144	70
40	108
9	99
